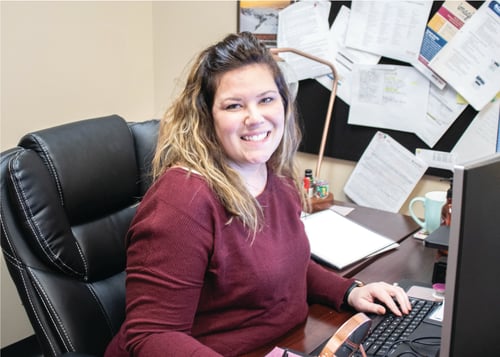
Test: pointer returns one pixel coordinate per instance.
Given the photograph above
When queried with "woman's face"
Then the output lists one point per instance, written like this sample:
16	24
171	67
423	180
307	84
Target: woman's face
248	115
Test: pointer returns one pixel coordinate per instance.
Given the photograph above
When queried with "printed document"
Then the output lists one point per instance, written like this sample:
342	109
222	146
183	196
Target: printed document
304	26
437	159
385	174
440	30
338	241
480	138
470	62
392	29
443	108
344	58
388	96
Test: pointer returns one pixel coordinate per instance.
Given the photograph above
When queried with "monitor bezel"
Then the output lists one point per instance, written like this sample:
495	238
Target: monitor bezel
466	182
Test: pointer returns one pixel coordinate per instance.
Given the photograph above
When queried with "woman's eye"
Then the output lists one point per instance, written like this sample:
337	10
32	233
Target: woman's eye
267	99
233	106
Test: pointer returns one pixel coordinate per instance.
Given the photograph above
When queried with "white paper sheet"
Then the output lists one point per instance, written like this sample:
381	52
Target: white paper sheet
385	175
444	24
480	138
389	97
304	26
470	62
339	241
388	28
437	159
344	57
443	109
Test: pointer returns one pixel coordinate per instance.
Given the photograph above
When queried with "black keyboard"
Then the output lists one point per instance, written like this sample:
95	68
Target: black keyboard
385	336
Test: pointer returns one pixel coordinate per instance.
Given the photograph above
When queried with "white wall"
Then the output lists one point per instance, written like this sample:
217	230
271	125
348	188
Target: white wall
181	29
66	61
63	61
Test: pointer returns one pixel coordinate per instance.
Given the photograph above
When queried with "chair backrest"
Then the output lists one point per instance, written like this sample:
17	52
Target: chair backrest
68	194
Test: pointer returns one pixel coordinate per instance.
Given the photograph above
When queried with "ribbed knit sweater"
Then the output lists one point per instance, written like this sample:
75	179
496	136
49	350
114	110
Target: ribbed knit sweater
199	284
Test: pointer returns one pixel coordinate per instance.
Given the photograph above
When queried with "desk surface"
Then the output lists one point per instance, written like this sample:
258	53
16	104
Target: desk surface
411	261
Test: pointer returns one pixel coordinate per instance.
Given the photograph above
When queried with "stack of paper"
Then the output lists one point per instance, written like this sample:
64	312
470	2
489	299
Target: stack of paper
338	241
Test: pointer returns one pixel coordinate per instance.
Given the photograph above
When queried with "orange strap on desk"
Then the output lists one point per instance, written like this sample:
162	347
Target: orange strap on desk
348	337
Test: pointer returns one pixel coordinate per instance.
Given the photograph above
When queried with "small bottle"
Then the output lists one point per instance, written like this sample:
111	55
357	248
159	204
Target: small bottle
309	183
446	210
309	173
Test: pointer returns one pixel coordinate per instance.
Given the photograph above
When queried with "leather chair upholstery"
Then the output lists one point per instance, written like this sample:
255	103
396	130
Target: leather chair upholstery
68	194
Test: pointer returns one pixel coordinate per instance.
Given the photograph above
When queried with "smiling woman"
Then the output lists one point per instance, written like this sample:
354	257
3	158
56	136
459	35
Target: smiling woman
249	118
212	269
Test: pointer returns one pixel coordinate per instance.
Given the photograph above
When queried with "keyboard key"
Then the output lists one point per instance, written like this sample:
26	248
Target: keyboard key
384	337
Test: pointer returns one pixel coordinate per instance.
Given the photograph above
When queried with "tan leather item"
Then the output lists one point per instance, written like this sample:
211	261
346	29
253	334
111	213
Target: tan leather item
348	337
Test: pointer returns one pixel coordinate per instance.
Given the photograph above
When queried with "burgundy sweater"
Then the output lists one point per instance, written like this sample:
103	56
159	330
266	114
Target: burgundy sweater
198	285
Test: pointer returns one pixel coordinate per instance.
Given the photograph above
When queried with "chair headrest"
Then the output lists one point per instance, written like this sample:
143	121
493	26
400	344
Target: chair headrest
92	162
76	186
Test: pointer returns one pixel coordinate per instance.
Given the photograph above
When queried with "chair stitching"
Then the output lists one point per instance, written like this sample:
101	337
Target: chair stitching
51	167
34	227
52	170
37	317
54	316
19	265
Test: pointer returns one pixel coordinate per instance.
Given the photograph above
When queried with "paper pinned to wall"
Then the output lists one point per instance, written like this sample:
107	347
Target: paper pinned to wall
304	26
480	138
443	109
445	23
389	97
385	175
344	57
470	62
388	28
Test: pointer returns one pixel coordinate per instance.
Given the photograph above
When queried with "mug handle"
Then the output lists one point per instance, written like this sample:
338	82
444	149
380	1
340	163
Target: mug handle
415	218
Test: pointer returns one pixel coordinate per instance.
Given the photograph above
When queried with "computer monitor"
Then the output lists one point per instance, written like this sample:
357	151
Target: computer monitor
471	323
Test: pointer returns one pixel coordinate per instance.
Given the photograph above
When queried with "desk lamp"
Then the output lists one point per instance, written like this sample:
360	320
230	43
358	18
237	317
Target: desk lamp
321	203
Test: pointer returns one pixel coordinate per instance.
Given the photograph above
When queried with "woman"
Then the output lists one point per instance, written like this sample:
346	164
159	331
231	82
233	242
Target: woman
218	262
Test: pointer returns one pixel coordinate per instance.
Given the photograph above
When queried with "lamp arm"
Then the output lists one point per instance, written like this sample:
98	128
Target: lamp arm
276	51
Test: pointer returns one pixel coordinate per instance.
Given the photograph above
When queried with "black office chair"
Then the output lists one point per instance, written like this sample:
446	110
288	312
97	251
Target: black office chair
68	194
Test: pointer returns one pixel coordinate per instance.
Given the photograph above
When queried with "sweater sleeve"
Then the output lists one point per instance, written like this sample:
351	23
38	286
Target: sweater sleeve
325	286
167	256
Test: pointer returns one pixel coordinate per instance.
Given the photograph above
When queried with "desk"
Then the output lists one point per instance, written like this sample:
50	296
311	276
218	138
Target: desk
412	261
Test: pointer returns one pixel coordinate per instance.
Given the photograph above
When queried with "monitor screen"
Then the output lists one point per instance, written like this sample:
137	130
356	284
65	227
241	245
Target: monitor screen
471	325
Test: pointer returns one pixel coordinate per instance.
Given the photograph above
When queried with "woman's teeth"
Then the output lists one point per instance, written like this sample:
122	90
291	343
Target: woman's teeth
255	137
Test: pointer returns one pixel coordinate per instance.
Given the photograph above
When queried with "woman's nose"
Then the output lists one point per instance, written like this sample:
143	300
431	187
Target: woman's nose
254	116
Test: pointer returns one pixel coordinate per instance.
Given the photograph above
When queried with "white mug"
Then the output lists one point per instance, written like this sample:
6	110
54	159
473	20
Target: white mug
433	203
